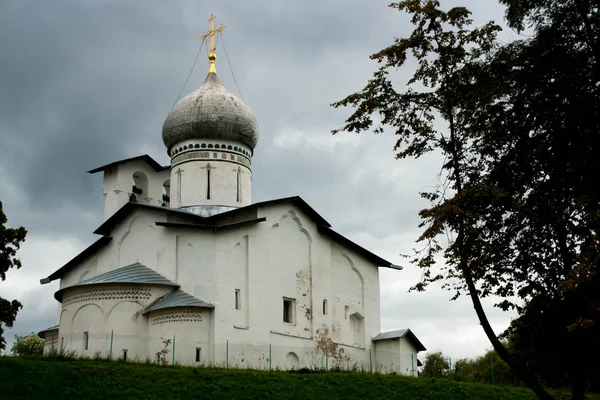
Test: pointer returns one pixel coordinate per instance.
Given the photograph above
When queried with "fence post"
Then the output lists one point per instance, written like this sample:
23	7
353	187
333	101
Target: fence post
492	364
111	342
326	359
270	357
227	354
173	362
370	361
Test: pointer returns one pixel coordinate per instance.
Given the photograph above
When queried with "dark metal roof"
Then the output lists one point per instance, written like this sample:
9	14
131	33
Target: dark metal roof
98	244
175	299
134	273
42	333
374	258
208	227
400	334
216	223
149	160
296	200
110	223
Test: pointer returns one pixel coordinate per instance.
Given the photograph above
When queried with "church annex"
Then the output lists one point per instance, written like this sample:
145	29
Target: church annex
183	253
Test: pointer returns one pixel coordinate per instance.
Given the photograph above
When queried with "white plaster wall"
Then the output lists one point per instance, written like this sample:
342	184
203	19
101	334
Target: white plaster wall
189	327
100	309
284	256
408	357
118	182
387	356
189	183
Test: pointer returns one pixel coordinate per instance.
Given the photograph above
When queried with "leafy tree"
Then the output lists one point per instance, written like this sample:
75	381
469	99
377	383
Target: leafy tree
452	82
10	241
435	366
29	345
542	127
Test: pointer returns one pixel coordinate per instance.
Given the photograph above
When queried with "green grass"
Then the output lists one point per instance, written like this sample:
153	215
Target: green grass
46	379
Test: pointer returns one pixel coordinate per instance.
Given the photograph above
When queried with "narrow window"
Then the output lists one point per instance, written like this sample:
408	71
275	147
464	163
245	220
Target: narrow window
62	342
288	310
238	300
158	358
347	310
208	182
86	337
239	185
124	354
324	307
198	354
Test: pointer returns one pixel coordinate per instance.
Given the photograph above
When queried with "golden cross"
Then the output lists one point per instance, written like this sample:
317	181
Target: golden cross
211	33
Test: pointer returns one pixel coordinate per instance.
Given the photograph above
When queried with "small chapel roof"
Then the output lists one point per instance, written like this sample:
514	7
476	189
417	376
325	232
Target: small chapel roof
400	333
134	273
176	299
145	157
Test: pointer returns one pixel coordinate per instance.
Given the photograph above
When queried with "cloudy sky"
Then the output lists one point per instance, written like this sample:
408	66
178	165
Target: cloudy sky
87	82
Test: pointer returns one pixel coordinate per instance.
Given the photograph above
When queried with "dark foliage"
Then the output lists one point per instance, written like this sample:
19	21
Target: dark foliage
10	241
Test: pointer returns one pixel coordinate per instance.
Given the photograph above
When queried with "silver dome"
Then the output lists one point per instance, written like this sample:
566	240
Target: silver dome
210	112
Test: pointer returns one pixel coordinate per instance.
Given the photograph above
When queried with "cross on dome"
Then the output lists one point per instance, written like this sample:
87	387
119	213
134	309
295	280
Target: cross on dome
211	34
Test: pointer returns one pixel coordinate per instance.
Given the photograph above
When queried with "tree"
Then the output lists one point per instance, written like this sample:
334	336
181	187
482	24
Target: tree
29	345
10	241
436	365
468	212
545	161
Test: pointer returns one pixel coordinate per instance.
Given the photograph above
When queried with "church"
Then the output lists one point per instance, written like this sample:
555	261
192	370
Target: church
189	269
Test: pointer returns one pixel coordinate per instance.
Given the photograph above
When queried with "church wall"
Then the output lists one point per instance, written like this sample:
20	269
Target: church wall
119	180
286	257
190	327
100	309
194	261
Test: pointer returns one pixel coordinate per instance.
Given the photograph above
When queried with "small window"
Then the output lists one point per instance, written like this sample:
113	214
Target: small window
238	300
288	310
124	354
346	312
198	349
324	307
86	337
62	342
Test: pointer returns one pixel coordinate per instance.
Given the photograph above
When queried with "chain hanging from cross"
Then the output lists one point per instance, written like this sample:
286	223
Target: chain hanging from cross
211	34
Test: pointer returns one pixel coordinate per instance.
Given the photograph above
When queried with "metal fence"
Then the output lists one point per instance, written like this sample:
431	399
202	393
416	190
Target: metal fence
178	350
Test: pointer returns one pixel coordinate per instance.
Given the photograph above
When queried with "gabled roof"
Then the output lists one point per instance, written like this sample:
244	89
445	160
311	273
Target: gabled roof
149	160
98	244
216	222
176	299
124	211
400	334
134	273
374	258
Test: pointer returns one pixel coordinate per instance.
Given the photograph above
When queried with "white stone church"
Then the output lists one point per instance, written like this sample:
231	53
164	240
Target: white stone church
184	252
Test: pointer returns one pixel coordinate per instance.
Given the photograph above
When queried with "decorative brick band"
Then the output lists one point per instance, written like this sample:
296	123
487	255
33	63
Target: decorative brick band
124	293
175	316
210	155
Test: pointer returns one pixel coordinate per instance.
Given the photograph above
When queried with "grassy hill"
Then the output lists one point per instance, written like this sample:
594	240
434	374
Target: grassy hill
88	379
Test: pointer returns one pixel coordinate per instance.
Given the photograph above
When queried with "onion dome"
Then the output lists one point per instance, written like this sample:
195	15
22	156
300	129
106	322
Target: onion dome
210	112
